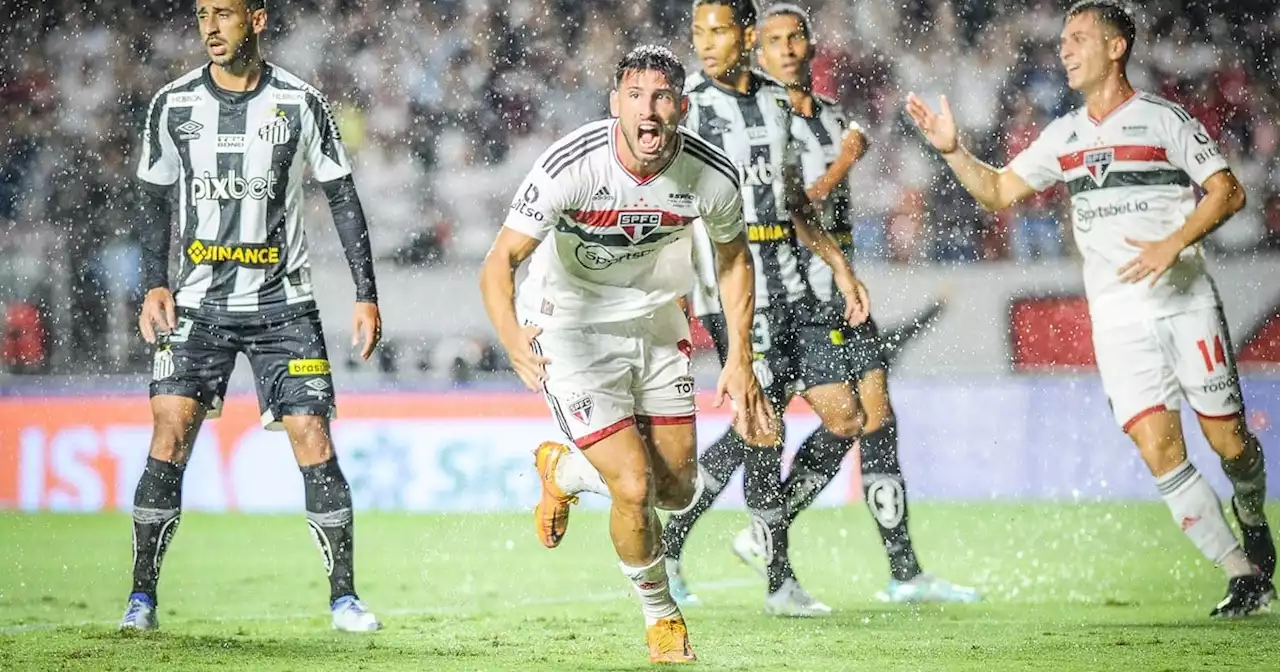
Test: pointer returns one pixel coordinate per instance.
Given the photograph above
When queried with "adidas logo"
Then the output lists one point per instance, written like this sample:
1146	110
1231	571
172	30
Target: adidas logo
603	194
1073	137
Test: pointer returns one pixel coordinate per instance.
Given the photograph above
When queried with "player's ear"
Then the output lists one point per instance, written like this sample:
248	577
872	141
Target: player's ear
258	20
613	102
684	107
749	38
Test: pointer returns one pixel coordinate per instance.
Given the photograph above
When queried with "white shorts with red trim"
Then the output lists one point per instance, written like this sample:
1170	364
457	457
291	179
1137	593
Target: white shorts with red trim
1150	366
604	377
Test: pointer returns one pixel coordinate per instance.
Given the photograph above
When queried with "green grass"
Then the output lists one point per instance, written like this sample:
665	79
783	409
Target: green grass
1069	587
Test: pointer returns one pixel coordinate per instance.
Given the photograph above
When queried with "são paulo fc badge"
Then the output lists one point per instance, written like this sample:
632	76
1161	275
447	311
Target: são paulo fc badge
1097	162
581	408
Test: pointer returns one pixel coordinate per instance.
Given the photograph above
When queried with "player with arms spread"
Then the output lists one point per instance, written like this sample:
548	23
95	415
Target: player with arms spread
829	146
602	335
1130	160
234	137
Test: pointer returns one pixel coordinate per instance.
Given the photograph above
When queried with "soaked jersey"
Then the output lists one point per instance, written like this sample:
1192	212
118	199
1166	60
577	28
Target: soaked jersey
754	130
817	141
238	160
603	229
1129	175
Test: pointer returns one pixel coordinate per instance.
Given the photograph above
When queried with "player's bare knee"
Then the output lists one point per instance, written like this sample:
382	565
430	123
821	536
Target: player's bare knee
846	425
1229	438
173	431
632	490
1162	453
309	435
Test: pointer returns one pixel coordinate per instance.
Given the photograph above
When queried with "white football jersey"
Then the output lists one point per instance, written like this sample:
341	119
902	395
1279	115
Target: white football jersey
602	228
1129	175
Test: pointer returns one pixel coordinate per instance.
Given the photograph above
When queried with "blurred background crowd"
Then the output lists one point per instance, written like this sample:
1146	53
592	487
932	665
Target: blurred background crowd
445	104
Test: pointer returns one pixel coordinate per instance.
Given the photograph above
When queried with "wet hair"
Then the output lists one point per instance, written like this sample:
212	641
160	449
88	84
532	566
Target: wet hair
651	57
745	12
1113	14
789	9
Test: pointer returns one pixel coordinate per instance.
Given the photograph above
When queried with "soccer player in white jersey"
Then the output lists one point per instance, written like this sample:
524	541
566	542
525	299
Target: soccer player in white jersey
829	145
234	138
1130	161
596	327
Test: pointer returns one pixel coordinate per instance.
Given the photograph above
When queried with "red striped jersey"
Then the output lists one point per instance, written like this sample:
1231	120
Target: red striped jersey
1130	175
602	228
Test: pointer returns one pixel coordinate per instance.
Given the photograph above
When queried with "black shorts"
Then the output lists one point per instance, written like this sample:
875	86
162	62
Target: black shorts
798	356
288	357
865	348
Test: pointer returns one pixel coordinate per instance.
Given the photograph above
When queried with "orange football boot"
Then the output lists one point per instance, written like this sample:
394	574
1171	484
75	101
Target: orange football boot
669	641
551	515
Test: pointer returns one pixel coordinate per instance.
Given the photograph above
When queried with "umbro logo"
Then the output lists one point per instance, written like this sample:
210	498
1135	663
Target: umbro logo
189	130
603	194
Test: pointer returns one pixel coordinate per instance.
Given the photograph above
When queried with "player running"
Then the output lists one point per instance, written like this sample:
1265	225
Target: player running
1130	160
830	145
234	137
595	325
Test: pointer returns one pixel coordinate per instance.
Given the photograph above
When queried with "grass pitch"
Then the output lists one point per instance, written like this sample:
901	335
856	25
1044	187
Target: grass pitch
1068	587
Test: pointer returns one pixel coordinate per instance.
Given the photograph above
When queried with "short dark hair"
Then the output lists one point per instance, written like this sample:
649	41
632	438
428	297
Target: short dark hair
1114	14
651	57
745	12
254	5
789	9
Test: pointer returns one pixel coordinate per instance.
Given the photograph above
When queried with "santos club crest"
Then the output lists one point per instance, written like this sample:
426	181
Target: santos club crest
1097	162
638	224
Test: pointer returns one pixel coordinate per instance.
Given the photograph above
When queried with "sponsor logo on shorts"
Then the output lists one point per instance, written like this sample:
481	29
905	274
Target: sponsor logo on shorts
252	254
1220	384
581	409
317	387
684	385
309	367
767	233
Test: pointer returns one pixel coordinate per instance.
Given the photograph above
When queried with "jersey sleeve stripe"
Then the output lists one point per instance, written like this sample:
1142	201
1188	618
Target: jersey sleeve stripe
151	133
716	164
578	156
572	145
1119	153
1181	113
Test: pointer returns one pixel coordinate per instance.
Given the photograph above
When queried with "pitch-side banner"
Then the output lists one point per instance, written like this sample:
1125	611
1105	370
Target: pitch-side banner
1039	438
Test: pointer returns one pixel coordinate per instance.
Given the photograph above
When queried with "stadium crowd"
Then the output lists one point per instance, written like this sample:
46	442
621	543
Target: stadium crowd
444	104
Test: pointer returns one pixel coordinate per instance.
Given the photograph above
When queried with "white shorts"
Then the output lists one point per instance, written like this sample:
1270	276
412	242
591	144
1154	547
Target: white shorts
1148	367
603	377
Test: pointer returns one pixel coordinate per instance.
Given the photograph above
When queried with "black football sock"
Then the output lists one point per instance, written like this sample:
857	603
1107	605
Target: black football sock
157	509
329	518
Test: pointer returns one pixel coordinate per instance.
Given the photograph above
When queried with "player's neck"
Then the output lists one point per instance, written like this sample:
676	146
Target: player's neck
737	79
239	74
802	98
1110	94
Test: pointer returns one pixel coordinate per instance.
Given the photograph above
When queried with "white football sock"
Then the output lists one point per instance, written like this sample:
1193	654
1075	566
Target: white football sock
574	474
650	583
1198	512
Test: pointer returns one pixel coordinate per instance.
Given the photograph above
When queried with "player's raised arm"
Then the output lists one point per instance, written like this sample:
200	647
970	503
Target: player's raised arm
994	188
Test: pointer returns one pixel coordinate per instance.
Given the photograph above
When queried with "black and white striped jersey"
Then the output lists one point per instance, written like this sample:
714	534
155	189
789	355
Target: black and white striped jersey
754	129
238	160
817	141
